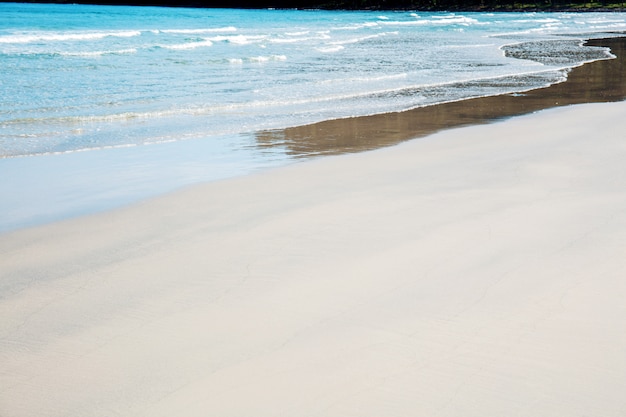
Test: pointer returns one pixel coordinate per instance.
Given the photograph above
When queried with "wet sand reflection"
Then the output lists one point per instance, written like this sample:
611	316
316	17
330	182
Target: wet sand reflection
600	81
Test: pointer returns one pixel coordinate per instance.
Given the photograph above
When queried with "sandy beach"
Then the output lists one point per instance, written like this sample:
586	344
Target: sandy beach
474	272
47	188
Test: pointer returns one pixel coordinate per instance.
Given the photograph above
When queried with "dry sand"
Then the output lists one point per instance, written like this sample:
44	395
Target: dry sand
476	272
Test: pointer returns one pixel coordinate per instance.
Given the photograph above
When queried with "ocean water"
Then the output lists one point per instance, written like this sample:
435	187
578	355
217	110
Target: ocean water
195	84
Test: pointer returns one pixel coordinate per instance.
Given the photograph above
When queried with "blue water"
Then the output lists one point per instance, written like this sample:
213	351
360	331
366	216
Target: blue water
197	83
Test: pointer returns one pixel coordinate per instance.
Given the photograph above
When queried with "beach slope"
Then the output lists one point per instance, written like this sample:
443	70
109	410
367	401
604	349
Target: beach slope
475	272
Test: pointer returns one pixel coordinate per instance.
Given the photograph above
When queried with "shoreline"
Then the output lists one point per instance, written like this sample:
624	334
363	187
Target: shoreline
476	272
75	187
594	82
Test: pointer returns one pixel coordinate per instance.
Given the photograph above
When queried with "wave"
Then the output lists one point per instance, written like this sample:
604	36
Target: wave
65	36
557	53
361	39
198	31
293	39
453	19
188	45
547	20
435	20
268	58
254	59
329	49
422	95
99	53
238	39
358	26
71	54
215	109
405	22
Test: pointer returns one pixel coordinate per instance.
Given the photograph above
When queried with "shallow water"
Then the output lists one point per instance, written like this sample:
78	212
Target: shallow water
78	77
101	106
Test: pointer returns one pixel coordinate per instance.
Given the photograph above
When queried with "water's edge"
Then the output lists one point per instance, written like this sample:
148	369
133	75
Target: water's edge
593	82
48	188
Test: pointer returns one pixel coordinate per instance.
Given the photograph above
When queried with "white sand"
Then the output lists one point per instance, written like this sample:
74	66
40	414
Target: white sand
477	272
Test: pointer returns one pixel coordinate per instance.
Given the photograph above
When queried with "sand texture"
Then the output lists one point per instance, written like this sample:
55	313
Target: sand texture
478	272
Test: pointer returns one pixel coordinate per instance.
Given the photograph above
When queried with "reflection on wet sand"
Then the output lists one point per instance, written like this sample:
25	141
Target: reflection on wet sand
600	81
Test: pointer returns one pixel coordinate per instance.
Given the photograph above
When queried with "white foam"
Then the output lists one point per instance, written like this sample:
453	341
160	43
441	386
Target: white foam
360	26
268	58
100	53
405	22
435	20
329	49
238	39
65	36
189	45
200	31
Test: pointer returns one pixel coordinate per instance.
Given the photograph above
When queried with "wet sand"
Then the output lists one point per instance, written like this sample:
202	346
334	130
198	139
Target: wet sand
597	82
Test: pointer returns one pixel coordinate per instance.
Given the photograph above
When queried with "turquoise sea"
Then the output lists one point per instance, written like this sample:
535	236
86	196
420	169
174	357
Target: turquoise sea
104	105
